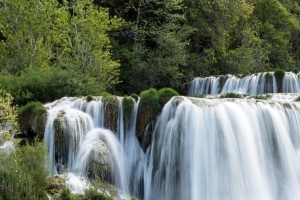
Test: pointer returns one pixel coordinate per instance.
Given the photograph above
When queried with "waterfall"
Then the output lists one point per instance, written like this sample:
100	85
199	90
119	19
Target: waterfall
213	149
254	84
201	148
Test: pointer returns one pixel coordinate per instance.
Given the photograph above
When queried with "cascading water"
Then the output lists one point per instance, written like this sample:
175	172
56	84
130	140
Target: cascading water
200	149
215	149
254	84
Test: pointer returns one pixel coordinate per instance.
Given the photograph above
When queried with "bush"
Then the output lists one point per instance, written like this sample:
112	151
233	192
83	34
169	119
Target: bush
199	95
165	94
89	98
44	85
231	95
135	96
295	70
93	194
8	114
128	108
279	74
23	173
31	108
150	101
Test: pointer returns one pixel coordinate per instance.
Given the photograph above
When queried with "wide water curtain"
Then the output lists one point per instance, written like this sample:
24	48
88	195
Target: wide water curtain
255	84
196	148
229	150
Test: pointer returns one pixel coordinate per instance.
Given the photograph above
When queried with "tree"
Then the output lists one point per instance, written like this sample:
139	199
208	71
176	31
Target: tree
8	115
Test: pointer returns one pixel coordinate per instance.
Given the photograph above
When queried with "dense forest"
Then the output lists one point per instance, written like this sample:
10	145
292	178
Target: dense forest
55	48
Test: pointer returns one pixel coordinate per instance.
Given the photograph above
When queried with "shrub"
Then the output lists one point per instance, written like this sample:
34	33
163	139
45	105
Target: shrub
165	94
150	101
31	108
199	95
44	85
135	96
89	98
232	95
93	194
295	70
279	74
128	108
23	173
8	114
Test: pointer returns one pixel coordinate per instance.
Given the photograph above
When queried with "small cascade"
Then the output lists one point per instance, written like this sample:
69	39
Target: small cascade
254	84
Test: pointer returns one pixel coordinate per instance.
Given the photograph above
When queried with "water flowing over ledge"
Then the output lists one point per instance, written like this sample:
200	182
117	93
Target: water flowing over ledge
254	84
200	148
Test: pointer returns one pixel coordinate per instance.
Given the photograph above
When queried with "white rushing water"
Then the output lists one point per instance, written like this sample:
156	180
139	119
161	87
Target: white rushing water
254	84
205	149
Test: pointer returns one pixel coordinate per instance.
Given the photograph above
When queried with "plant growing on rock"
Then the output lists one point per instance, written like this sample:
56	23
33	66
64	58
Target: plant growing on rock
111	111
32	119
135	96
231	95
89	98
279	74
295	70
128	108
165	94
148	109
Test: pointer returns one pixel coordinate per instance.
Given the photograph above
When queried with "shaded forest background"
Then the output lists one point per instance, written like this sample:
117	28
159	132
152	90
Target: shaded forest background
53	48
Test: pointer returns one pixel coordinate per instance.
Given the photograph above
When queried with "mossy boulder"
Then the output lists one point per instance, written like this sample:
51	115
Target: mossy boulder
111	111
165	94
32	119
60	135
148	109
128	108
279	75
99	161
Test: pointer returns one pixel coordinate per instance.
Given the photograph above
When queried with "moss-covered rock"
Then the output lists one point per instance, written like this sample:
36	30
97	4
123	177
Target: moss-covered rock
61	146
99	162
32	119
148	109
279	74
165	94
111	111
128	108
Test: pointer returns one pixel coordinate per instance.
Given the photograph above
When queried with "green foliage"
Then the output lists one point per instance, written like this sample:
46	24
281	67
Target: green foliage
70	37
92	193
36	84
165	94
199	95
135	96
23	173
262	97
67	195
89	98
279	74
295	70
150	101
111	111
128	108
31	108
8	114
297	99
231	95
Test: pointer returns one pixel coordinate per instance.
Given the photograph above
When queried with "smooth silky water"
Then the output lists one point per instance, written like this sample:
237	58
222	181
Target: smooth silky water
201	148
